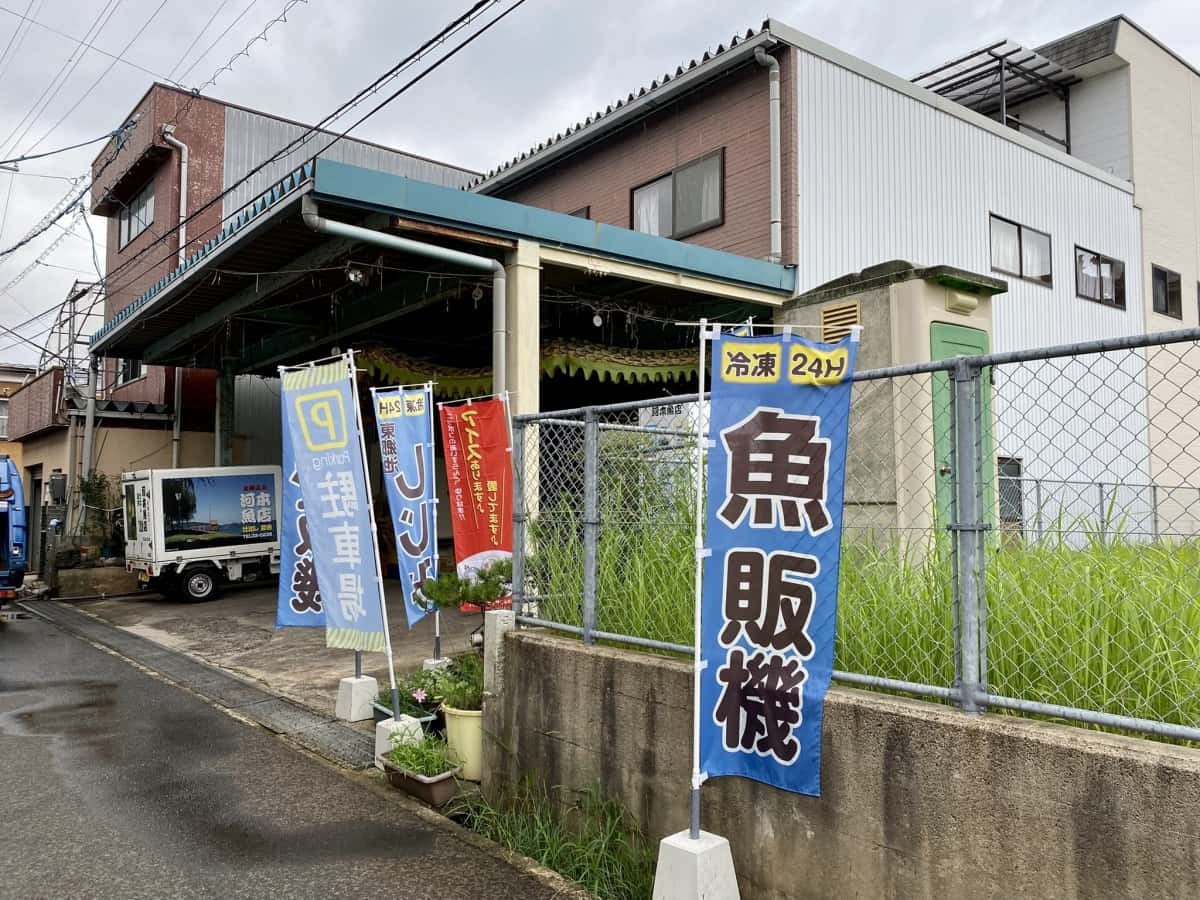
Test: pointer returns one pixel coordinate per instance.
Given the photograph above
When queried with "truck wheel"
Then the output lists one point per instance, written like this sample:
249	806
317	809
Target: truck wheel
199	584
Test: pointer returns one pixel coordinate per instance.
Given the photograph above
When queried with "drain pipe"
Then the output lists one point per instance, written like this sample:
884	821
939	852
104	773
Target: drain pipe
168	134
772	64
312	218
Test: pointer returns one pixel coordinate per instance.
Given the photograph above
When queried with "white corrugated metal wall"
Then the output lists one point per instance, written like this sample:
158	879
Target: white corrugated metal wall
250	138
884	175
257	421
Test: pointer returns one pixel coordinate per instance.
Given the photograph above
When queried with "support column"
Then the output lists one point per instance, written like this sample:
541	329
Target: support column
523	268
223	426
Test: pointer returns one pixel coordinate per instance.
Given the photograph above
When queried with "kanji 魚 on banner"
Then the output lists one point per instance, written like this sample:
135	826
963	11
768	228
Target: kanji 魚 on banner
324	433
479	482
773	526
299	597
404	417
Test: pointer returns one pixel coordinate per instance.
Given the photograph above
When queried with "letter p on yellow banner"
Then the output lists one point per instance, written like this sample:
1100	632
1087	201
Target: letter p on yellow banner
322	418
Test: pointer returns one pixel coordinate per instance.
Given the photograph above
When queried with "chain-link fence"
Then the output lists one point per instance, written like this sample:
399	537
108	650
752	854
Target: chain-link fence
1021	530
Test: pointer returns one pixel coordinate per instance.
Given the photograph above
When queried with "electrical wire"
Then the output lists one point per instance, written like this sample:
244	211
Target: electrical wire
29	156
199	34
55	84
220	37
60	209
90	46
457	24
5	58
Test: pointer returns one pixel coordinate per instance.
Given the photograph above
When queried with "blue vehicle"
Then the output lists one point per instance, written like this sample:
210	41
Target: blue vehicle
12	531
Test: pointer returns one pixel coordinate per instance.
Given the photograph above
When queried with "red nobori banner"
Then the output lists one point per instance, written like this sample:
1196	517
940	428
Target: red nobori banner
479	482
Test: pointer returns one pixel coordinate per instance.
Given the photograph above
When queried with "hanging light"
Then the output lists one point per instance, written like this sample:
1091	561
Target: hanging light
597	321
355	276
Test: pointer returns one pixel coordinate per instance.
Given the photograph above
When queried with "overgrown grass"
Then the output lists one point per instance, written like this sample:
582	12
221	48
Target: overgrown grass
586	837
1107	626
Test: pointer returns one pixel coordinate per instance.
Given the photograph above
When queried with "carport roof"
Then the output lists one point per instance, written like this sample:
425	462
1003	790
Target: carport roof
269	230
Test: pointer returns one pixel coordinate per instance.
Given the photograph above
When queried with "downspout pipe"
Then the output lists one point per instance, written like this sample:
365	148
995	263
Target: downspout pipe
772	64
168	134
314	220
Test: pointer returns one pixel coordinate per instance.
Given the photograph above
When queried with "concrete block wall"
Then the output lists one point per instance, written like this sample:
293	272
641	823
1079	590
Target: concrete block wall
919	800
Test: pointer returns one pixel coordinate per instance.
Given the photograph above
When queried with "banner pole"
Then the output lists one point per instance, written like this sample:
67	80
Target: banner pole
433	523
701	444
362	449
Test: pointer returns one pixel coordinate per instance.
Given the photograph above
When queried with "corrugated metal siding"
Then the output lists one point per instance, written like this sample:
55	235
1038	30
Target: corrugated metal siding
884	176
250	138
257	426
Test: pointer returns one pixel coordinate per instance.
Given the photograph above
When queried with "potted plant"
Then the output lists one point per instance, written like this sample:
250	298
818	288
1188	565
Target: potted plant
425	769
462	703
420	697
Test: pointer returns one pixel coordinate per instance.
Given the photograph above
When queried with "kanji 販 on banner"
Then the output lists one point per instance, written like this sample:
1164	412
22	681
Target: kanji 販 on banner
779	417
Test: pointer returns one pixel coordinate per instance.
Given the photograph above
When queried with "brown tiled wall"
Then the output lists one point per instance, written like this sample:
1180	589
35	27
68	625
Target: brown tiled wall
731	113
145	261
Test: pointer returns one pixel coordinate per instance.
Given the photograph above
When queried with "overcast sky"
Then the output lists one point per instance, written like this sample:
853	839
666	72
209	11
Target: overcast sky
548	64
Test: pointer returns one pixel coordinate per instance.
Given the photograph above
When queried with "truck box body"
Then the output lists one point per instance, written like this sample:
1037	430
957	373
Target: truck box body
13	543
224	515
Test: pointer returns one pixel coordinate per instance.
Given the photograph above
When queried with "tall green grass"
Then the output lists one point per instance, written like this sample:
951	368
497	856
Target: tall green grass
585	837
1108	626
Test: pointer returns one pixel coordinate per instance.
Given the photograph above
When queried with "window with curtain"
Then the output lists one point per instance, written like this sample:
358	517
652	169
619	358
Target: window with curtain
3	418
1168	292
687	200
131	370
1020	251
137	215
1099	278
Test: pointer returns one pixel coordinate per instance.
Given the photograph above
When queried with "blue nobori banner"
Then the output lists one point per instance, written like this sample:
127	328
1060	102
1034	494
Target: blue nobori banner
323	427
404	418
779	415
299	596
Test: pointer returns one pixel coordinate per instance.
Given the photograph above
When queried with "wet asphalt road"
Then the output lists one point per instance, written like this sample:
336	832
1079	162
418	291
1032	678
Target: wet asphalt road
114	784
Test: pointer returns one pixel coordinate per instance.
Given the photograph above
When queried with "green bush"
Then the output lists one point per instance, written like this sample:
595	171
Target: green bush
462	683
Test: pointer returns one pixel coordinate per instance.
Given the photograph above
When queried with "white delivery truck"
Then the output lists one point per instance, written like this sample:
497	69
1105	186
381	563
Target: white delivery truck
188	531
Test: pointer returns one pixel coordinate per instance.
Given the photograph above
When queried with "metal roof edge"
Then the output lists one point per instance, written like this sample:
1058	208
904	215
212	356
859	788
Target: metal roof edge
250	216
625	113
808	44
338	182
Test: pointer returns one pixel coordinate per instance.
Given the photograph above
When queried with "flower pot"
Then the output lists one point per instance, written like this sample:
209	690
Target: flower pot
464	734
435	790
380	712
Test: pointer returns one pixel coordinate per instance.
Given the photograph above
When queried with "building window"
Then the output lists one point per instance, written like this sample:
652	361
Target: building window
584	212
1168	292
131	370
686	200
137	215
1099	278
1020	251
3	418
1011	507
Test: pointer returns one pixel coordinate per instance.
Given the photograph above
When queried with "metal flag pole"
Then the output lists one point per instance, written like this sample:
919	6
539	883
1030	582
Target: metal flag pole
362	449
697	662
433	518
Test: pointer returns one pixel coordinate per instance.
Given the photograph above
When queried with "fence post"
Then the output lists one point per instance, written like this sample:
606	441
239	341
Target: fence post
1102	524
519	518
591	520
1041	531
967	527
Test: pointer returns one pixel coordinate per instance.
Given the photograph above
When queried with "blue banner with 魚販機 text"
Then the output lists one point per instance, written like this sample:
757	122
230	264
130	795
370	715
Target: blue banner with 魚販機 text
779	417
299	602
404	419
323	428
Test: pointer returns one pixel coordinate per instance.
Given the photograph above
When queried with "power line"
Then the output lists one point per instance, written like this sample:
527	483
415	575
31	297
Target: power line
220	37
5	58
67	67
99	78
29	156
199	34
456	25
90	46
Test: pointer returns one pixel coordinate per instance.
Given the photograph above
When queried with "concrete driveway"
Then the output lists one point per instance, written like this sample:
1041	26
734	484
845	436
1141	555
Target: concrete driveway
237	633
